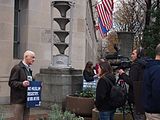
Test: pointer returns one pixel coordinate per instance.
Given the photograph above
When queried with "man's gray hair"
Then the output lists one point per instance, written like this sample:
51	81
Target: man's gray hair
158	49
28	52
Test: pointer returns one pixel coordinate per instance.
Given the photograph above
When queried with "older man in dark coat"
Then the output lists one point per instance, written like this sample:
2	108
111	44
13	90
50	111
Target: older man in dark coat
18	83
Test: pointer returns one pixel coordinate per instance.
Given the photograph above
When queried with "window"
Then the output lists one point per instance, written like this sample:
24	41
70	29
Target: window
16	48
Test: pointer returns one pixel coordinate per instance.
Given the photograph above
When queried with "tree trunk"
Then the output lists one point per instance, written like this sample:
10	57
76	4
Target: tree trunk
148	14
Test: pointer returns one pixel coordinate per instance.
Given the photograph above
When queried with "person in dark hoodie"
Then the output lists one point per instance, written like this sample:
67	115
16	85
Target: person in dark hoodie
134	79
106	112
151	87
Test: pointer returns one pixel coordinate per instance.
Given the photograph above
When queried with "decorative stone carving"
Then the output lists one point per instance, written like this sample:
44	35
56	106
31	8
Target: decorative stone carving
62	6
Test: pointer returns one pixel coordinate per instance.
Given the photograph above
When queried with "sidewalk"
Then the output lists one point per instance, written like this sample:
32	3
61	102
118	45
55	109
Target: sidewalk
37	113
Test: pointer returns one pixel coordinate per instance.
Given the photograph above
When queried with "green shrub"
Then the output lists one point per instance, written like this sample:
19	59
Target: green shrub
1	114
88	92
57	114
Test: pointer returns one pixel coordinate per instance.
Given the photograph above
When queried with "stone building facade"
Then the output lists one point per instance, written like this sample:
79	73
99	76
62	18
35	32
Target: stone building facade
26	24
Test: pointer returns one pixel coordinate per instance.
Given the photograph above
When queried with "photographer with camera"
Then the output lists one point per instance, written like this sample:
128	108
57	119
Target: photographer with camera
134	80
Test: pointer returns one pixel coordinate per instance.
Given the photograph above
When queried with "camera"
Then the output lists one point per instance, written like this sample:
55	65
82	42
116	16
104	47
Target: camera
118	61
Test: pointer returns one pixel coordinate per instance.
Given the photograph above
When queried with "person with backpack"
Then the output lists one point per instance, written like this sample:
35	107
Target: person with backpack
151	87
102	103
134	79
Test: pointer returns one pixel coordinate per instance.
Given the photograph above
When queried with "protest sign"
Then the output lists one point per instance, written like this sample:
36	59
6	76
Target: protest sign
34	94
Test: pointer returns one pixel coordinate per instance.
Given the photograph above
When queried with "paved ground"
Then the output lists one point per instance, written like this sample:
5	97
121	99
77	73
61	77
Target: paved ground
36	113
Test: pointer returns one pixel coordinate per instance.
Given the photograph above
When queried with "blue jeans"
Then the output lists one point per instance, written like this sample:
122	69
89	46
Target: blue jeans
107	115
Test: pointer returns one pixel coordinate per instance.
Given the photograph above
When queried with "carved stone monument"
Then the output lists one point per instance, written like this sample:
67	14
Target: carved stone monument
61	60
59	79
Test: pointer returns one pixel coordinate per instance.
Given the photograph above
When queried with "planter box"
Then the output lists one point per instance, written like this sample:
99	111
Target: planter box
80	105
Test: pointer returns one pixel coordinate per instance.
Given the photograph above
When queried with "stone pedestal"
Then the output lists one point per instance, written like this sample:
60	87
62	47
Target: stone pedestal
126	40
57	83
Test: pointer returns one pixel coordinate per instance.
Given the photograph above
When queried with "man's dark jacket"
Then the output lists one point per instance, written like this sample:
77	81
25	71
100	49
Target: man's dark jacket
151	88
135	81
18	93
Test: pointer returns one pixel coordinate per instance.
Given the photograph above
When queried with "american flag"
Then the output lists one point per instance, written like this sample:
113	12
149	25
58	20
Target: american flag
108	4
102	29
104	9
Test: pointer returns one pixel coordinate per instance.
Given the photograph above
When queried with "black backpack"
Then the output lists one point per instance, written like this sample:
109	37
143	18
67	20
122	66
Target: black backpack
118	94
